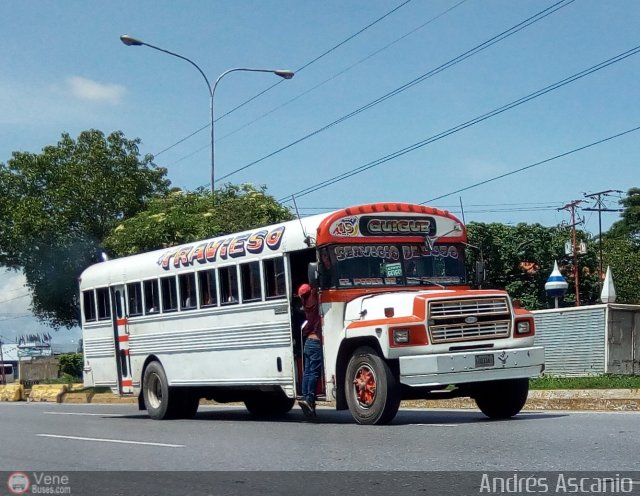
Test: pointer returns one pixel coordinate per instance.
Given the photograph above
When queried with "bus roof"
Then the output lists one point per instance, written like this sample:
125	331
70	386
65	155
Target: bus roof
400	222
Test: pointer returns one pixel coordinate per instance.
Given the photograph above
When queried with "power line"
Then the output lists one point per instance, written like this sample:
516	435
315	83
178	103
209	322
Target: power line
467	124
575	150
24	316
327	52
313	88
473	208
456	60
15	298
338	74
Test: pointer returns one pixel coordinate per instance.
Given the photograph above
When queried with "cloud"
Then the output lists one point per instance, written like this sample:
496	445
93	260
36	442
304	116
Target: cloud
86	89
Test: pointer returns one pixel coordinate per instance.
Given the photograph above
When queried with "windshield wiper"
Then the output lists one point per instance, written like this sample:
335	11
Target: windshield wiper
423	279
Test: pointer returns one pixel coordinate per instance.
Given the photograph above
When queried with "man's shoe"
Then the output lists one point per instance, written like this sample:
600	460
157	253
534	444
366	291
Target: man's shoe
307	410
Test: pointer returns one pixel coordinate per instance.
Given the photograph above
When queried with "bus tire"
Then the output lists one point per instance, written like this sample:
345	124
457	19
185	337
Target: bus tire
502	399
262	404
371	388
159	398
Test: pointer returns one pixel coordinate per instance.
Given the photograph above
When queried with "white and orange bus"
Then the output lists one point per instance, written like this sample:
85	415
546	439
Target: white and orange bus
218	319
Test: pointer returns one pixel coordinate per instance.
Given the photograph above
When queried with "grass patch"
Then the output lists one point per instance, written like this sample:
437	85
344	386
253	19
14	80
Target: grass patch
607	381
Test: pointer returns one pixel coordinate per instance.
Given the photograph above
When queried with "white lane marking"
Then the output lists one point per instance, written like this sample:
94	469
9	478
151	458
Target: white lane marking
437	425
87	414
103	440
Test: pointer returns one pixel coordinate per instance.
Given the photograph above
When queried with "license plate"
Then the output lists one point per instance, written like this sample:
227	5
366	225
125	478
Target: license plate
484	361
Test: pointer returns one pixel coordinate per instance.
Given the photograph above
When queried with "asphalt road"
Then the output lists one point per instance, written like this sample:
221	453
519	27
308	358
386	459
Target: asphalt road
87	437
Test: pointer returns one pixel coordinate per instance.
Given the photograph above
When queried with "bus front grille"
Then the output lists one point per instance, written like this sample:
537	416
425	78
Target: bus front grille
467	319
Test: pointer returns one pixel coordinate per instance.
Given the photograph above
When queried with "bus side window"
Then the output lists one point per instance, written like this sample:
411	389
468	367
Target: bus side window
89	305
274	278
104	305
169	294
187	291
134	298
228	285
208	292
151	297
251	287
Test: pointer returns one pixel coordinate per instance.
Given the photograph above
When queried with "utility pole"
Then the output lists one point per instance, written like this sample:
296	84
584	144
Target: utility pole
599	207
572	208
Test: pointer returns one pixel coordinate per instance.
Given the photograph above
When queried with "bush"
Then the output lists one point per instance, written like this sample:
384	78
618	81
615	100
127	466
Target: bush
605	381
71	364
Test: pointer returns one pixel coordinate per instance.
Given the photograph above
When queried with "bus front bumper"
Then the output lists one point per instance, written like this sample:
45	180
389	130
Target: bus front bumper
471	366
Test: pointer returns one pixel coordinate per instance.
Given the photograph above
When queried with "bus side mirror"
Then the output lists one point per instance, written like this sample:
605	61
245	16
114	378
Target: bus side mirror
312	274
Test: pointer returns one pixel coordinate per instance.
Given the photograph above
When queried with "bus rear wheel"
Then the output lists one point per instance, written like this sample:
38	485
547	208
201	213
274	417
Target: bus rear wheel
371	388
502	399
161	401
268	404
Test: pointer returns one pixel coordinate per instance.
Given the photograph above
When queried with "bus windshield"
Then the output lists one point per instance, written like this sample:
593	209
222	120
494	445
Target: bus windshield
391	264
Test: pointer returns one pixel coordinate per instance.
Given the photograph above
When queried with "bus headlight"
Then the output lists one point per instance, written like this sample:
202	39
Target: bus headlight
522	327
401	336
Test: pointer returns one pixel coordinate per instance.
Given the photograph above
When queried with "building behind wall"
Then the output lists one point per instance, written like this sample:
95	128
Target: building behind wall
590	340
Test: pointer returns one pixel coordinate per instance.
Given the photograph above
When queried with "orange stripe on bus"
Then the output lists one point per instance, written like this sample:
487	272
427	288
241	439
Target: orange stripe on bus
121	322
127	382
123	339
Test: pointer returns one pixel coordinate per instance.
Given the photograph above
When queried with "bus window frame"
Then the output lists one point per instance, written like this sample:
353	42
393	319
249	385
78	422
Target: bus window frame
200	274
173	286
193	294
107	300
140	302
149	310
248	265
224	299
84	306
275	260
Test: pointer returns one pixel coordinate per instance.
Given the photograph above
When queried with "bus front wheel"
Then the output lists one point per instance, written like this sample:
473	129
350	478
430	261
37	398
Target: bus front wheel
371	388
502	399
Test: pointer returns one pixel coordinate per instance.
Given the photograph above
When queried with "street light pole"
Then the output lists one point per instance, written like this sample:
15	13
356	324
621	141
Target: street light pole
283	73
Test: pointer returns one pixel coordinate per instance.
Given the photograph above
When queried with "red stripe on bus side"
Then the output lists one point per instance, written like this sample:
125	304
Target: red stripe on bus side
121	322
127	382
123	339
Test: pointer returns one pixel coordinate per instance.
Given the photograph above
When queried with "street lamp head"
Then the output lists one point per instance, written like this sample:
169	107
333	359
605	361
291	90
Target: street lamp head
284	73
130	40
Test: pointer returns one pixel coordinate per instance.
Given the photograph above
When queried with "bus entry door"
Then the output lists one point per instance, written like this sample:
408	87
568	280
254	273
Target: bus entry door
121	333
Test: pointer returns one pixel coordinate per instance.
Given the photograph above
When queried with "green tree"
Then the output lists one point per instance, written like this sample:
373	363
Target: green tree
57	206
519	259
629	225
183	217
622	255
621	250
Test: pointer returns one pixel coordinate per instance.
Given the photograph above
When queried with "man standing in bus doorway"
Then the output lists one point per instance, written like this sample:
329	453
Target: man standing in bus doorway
312	354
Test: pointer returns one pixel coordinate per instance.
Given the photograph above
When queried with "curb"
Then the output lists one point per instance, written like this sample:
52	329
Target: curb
11	392
47	392
557	399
